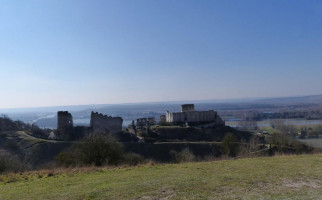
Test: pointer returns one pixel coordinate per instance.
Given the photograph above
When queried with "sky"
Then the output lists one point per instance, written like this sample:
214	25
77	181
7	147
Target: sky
77	52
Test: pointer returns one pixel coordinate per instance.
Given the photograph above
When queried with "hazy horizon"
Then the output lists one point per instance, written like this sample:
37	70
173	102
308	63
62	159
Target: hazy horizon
232	100
58	53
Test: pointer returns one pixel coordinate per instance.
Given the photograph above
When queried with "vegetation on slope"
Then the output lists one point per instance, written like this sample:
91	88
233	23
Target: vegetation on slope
97	149
27	150
7	124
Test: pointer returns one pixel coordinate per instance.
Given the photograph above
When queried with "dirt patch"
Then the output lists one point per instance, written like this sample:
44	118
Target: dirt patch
166	194
163	195
303	183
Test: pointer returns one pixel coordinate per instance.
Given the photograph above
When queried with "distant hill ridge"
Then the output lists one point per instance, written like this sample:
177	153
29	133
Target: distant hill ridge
274	100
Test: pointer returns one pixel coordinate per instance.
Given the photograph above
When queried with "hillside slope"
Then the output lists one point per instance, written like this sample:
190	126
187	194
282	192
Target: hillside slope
34	151
291	177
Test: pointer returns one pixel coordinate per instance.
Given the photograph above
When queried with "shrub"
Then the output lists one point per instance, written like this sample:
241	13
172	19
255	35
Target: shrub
230	145
9	163
97	149
132	159
10	145
183	156
66	159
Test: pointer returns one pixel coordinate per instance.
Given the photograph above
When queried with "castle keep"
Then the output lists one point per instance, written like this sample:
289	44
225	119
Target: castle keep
188	114
187	107
100	122
64	120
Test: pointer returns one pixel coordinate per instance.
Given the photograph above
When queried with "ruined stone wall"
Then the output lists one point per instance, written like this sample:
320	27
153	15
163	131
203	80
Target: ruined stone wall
145	121
151	121
64	120
100	122
163	118
141	122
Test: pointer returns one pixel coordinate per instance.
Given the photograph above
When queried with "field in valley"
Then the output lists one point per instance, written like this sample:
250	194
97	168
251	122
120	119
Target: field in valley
314	142
285	177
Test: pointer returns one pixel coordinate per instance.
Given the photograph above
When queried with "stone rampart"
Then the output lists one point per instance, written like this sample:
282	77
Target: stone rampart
100	122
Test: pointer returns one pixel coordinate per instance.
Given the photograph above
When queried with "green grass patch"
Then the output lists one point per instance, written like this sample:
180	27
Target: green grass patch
286	177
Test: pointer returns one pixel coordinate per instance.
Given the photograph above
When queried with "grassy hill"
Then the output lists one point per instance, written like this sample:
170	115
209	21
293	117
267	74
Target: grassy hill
287	177
33	150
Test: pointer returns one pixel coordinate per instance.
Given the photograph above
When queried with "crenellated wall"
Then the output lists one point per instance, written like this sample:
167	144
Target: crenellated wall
100	122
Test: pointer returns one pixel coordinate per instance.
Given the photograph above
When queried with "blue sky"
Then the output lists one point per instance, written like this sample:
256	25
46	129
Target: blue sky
58	52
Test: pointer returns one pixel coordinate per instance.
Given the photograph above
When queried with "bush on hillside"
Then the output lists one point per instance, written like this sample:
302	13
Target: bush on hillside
38	132
10	145
132	159
230	145
183	156
10	163
97	149
126	137
285	144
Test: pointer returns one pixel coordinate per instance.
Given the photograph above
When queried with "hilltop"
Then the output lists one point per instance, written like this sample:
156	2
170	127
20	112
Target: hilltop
286	177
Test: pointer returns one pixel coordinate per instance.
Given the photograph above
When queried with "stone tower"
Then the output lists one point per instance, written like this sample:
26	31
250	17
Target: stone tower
187	107
64	120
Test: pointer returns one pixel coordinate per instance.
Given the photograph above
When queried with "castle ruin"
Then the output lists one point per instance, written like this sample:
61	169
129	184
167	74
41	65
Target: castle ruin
64	120
163	118
100	122
145	122
188	114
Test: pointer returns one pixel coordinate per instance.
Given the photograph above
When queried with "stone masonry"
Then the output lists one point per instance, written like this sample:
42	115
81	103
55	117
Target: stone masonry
188	114
64	120
100	122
